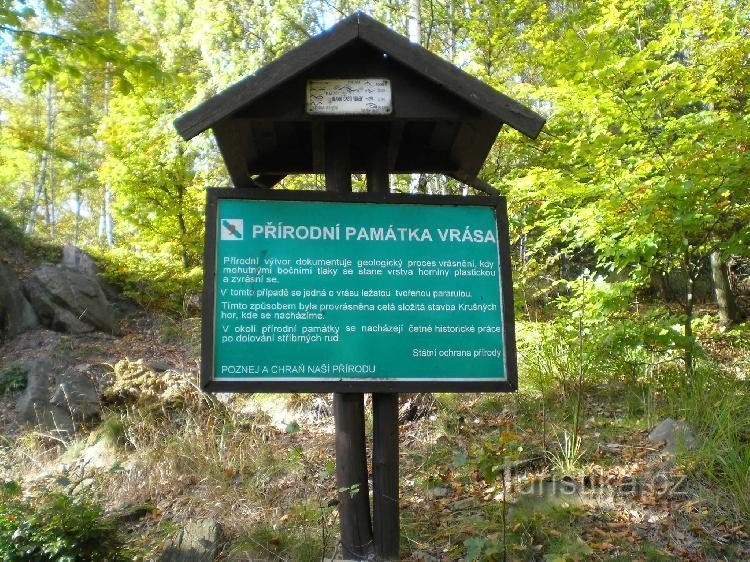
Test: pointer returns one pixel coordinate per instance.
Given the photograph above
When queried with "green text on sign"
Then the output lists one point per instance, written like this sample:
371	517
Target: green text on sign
312	290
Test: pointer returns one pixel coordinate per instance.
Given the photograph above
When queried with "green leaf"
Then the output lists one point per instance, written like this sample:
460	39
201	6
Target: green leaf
474	548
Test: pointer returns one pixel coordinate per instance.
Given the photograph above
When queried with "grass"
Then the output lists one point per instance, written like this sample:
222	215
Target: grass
303	534
566	459
717	404
557	529
193	456
13	379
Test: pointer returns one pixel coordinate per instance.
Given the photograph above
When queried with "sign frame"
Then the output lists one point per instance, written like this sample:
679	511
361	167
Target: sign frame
208	314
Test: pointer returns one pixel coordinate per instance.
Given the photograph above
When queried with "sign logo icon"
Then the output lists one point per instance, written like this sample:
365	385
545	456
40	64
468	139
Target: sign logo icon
231	229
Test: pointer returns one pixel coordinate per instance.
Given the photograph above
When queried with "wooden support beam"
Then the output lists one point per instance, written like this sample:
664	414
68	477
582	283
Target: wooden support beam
378	180
385	497
349	409
351	476
318	147
472	144
337	158
394	143
267	181
385	494
236	147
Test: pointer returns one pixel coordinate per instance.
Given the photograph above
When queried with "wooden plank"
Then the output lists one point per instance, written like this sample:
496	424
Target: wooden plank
232	137
394	143
349	409
378	180
338	169
415	97
351	476
444	135
472	144
318	147
267	181
265	138
385	463
476	183
295	163
423	159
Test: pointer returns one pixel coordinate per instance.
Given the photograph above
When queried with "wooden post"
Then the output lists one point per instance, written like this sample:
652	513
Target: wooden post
351	475
348	409
385	503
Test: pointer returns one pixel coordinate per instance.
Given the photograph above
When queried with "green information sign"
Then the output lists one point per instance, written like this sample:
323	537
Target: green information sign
366	294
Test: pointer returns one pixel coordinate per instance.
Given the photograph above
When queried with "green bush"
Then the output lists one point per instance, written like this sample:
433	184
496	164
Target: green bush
55	528
15	245
12	379
154	281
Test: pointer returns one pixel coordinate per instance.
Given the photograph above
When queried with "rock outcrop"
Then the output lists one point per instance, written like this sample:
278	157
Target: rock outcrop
34	407
76	259
675	434
74	396
68	301
16	313
75	392
197	541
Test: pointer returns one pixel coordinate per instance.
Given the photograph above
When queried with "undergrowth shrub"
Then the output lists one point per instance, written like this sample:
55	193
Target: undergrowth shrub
596	337
16	246
717	405
56	527
12	379
155	282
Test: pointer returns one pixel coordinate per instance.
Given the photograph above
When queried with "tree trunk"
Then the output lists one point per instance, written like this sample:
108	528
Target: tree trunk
183	227
77	233
49	201
660	282
729	312
688	309
106	231
39	190
415	22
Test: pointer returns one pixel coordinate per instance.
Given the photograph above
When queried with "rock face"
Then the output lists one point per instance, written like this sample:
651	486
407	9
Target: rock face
674	433
16	314
198	541
34	407
78	260
77	394
68	301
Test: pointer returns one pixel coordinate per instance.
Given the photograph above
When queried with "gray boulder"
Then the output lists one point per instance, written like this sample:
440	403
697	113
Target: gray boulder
34	407
675	434
16	314
68	301
76	393
76	259
197	541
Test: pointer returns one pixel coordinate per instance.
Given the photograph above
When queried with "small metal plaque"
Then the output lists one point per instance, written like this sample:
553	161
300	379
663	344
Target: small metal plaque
349	96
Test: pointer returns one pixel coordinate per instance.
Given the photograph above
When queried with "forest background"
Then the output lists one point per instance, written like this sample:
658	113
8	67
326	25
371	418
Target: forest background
640	172
630	214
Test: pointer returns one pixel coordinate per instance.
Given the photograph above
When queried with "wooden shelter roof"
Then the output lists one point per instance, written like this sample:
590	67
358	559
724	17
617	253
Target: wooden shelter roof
443	120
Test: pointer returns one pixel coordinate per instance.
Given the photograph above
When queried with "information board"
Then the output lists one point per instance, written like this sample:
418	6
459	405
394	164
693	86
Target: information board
309	292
